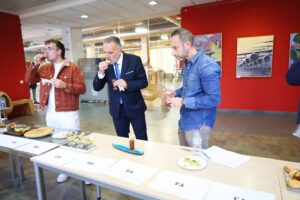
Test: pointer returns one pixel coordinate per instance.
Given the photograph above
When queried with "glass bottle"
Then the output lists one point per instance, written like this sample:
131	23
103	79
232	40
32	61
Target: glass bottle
131	141
197	143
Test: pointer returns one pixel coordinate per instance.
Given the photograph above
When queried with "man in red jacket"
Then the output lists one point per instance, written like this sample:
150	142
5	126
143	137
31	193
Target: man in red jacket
61	83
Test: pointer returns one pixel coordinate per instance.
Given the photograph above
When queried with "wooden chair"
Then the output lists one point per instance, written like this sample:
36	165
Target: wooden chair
9	107
28	104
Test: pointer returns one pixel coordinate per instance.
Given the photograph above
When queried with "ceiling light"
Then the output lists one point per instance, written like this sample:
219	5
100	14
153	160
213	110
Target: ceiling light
164	37
152	3
139	23
178	18
141	30
84	16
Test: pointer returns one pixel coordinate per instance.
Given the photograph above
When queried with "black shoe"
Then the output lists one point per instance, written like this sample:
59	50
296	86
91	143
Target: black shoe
36	102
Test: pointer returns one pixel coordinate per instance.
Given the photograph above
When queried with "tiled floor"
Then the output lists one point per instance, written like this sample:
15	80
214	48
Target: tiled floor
252	133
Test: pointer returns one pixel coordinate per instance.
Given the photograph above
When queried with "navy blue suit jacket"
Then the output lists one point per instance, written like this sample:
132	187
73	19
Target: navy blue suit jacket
134	74
293	75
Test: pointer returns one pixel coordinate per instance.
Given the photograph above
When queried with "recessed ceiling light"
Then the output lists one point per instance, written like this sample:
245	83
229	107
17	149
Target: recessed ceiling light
178	18
152	3
164	37
139	24
141	30
84	16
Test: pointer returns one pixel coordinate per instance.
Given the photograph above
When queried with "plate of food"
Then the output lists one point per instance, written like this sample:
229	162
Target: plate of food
191	162
292	178
39	132
79	142
16	129
60	135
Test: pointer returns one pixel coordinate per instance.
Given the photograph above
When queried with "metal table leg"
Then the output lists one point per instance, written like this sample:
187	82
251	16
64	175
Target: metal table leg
98	189
20	169
12	165
83	190
40	184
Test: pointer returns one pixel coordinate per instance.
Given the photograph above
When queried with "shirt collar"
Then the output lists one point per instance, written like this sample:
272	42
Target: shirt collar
120	60
65	62
196	56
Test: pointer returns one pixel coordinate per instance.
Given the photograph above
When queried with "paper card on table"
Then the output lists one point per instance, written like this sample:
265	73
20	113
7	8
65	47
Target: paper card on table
130	172
12	141
58	156
93	164
224	157
228	192
37	147
185	186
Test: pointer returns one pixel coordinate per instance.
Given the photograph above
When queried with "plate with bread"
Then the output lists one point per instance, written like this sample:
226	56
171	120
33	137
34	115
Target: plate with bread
39	132
292	178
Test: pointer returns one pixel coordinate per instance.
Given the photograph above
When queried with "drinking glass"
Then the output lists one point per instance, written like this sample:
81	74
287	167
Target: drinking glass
197	143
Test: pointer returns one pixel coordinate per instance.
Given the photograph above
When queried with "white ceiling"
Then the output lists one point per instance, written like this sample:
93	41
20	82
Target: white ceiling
42	19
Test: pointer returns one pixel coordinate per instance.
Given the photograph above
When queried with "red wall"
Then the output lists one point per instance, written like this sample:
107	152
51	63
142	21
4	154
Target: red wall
12	59
247	18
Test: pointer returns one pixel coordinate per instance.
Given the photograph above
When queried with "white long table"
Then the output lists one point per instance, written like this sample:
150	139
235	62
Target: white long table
9	145
261	174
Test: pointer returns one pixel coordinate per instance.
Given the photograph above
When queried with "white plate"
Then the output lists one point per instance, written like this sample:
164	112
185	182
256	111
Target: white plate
192	162
60	135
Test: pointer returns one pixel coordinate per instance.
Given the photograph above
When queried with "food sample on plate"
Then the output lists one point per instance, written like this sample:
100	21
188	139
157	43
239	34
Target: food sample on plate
39	132
79	141
292	177
17	128
192	162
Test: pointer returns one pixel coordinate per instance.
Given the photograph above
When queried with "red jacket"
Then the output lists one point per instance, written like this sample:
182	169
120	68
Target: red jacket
66	99
29	77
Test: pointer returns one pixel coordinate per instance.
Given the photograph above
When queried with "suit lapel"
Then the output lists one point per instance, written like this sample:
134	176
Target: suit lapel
124	65
112	73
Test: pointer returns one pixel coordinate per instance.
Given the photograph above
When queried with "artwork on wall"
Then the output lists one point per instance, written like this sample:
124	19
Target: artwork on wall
211	44
294	48
254	56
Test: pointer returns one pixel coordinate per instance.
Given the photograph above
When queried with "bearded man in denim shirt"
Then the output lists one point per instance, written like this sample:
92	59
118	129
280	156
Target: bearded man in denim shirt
199	95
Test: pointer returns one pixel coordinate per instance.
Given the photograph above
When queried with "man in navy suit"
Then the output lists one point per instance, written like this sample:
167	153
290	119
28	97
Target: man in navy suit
125	76
293	78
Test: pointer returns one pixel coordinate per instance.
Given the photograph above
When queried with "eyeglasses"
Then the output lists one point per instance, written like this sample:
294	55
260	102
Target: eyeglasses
50	49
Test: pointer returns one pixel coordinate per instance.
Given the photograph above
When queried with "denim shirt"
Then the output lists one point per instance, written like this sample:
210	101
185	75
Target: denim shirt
200	92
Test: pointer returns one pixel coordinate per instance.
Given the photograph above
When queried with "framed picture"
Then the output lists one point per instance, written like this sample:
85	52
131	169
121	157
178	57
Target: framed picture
294	48
211	44
254	56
